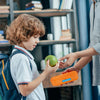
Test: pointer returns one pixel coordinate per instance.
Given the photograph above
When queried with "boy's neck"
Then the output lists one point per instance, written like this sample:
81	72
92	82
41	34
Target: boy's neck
21	45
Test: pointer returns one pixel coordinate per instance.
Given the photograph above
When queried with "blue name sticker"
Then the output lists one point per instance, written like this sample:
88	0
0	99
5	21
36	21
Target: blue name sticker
66	80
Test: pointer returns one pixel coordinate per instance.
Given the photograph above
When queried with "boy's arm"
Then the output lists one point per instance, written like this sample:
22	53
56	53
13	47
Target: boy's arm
28	88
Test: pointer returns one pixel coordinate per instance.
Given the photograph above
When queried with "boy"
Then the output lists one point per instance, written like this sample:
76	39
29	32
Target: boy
24	33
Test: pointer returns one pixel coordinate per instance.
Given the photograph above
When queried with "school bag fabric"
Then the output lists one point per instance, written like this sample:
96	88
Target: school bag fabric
8	90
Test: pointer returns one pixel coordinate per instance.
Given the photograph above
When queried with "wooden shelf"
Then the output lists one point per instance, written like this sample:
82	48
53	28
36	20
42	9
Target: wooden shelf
38	13
46	42
4	14
52	42
45	12
47	83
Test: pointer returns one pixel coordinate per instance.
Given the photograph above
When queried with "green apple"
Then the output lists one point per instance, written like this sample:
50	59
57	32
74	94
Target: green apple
52	60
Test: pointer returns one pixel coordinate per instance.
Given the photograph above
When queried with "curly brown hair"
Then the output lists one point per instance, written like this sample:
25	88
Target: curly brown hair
23	27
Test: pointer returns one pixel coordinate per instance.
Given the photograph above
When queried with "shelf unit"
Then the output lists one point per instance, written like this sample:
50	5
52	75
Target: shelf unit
47	13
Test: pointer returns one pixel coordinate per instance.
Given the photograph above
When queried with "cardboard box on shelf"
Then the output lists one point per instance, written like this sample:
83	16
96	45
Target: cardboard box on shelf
66	35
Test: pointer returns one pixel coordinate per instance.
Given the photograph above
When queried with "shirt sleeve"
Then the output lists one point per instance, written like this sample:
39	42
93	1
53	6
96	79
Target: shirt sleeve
22	70
95	46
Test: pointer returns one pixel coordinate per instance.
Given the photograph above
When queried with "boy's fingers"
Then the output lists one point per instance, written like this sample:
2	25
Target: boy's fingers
57	65
47	62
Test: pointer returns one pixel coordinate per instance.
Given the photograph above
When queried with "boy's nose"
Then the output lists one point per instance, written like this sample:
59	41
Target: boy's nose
37	41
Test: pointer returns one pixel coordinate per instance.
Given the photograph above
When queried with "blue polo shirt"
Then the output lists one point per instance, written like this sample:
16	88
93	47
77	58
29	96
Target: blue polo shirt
22	73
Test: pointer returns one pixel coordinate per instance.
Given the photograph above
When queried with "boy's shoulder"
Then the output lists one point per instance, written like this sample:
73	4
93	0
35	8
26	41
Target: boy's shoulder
19	57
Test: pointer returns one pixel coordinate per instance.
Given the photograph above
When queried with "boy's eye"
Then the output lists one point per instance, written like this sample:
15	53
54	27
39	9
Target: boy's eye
36	36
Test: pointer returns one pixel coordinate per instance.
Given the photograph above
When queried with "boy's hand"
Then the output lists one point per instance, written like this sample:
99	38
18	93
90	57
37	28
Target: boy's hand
70	60
50	69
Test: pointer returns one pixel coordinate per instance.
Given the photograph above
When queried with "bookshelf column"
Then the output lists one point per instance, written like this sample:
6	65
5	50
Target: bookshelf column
11	10
56	28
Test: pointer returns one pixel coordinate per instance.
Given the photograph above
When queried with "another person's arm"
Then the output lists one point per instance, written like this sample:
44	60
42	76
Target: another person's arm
70	58
80	64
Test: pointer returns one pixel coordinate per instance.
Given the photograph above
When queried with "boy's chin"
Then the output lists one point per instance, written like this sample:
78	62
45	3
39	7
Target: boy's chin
31	49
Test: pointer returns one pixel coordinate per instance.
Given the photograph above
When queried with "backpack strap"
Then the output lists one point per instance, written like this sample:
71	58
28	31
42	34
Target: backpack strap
19	51
4	75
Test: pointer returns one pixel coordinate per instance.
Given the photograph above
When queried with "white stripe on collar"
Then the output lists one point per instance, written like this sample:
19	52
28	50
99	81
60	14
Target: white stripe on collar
24	50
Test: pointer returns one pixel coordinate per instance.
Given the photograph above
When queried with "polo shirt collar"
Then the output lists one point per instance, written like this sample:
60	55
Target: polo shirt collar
25	51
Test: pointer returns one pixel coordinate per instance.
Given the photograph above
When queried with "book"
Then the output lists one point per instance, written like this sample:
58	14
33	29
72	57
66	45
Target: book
60	4
66	35
4	41
4	7
33	5
1	32
65	4
29	8
29	5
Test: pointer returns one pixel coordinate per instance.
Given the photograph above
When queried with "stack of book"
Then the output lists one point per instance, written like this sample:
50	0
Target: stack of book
2	40
33	5
4	9
65	4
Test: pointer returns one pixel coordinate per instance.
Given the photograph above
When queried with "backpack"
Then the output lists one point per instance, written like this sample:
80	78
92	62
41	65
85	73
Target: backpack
8	89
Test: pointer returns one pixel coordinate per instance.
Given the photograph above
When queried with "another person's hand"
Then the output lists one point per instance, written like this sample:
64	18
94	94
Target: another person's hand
50	69
70	59
71	69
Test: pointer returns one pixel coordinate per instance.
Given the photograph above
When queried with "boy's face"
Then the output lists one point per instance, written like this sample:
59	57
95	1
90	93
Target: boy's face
31	43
